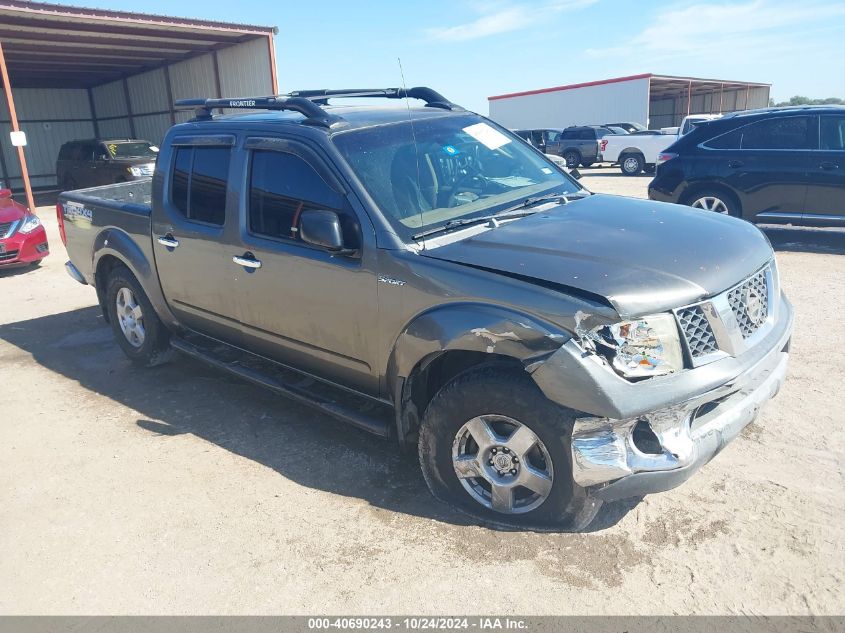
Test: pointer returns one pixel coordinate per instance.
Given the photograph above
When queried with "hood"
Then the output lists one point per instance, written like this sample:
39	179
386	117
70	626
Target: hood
10	210
642	256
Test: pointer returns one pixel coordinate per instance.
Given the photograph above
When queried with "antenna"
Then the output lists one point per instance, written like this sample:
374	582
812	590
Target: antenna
413	135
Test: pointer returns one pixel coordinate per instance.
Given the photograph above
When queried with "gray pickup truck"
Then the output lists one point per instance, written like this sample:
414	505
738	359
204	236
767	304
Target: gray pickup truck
439	281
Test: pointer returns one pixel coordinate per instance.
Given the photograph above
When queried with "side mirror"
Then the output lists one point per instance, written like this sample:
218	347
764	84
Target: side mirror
575	173
321	228
5	193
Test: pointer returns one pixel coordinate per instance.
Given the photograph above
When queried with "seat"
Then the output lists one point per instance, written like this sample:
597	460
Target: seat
414	182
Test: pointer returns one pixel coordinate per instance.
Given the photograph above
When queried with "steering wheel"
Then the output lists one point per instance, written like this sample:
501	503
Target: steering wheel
460	186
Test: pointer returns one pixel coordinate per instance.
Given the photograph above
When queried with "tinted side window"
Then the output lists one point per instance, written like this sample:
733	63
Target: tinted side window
568	135
731	140
281	187
199	183
778	133
587	134
832	132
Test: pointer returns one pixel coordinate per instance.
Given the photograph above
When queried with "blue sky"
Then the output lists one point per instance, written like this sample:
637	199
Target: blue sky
470	49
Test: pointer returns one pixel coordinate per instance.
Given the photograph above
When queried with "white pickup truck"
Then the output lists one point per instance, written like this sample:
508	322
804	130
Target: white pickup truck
637	152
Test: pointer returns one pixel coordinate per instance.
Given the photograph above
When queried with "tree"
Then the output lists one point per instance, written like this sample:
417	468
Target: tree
798	100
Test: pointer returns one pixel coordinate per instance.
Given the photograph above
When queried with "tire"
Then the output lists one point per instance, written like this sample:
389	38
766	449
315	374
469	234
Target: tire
69	184
650	168
632	164
495	397
572	158
136	326
716	200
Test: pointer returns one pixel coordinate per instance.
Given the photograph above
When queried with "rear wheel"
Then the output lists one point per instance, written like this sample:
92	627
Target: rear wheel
492	445
136	326
716	201
572	158
632	164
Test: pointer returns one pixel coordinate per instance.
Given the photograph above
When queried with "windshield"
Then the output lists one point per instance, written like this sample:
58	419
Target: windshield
139	149
459	167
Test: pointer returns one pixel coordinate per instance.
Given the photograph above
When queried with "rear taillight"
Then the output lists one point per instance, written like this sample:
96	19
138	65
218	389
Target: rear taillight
664	157
60	218
603	144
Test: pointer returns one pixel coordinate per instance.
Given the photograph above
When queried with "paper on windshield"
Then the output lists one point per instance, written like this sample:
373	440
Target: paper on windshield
488	136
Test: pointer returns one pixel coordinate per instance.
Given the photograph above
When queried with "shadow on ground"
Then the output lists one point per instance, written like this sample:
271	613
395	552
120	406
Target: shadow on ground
186	396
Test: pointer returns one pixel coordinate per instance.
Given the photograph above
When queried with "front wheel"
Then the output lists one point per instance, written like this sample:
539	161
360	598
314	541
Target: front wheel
136	326
492	445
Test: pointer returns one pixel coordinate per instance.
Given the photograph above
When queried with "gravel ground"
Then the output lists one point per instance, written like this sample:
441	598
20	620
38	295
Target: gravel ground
179	490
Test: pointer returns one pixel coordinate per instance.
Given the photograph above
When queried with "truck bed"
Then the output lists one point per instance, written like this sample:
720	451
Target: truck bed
117	212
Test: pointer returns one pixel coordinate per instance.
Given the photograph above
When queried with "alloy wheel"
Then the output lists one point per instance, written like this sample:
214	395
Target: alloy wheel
502	464
711	203
130	316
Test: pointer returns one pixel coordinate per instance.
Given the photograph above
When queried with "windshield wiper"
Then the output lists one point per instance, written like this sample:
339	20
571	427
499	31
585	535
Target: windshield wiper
481	219
518	211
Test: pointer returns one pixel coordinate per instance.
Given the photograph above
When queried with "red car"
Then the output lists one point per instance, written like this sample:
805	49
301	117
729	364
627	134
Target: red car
22	237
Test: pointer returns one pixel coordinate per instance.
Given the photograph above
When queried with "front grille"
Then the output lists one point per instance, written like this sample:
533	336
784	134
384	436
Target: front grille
6	228
750	303
696	329
8	256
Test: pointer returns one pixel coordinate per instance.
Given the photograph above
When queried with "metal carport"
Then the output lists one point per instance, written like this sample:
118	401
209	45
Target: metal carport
71	73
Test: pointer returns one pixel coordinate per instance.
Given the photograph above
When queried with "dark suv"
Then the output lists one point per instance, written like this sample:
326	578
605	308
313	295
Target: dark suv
579	145
93	162
778	165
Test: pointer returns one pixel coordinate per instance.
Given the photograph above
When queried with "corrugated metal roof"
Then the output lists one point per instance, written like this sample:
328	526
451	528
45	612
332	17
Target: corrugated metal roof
670	81
62	46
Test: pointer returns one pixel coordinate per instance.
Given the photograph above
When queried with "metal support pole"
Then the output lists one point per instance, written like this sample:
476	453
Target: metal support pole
689	99
274	79
13	115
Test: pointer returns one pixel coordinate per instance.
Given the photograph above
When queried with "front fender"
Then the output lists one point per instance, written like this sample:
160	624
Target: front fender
474	328
116	243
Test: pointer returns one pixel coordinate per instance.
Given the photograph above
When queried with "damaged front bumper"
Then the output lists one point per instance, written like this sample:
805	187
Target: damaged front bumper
651	436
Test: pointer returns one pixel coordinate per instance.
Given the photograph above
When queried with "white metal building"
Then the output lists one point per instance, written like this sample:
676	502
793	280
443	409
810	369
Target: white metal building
81	73
653	100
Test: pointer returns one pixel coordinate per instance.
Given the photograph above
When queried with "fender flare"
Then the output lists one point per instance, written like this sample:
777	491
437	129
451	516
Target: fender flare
120	245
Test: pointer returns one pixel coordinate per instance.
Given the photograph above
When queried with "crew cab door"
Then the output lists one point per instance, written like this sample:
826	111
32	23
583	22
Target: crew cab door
189	223
300	304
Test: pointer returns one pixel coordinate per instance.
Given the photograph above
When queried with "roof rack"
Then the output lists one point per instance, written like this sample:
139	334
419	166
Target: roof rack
432	98
314	114
309	102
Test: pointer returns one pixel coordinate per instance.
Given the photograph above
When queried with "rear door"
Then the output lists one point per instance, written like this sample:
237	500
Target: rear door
825	201
190	239
770	170
305	306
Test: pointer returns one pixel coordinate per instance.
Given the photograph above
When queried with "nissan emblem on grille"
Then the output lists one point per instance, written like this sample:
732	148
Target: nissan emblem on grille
750	303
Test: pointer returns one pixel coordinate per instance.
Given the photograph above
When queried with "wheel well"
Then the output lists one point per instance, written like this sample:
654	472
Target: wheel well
695	190
428	377
572	149
106	264
631	152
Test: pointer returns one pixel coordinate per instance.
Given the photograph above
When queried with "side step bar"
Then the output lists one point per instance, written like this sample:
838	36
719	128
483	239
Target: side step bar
260	372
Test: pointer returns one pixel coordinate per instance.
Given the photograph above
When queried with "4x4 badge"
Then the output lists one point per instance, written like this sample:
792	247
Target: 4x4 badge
391	281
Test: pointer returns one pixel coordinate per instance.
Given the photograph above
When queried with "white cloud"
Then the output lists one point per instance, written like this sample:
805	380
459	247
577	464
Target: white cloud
502	17
725	31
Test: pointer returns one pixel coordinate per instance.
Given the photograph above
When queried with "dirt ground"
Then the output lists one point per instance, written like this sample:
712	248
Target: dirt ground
179	490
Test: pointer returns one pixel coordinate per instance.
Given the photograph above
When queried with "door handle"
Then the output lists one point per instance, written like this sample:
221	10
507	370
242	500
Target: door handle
734	164
168	240
247	260
828	166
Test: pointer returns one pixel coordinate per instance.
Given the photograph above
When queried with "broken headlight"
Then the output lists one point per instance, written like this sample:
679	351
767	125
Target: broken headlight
639	348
